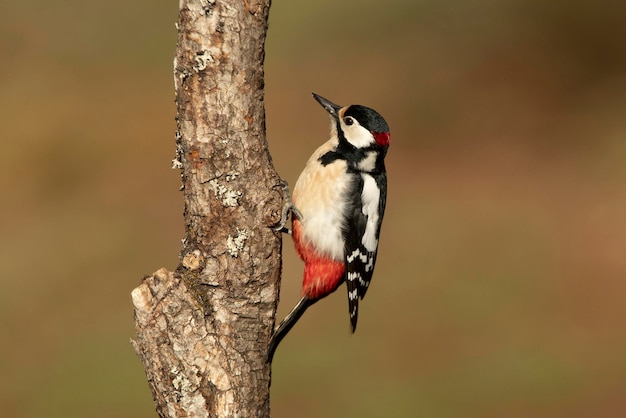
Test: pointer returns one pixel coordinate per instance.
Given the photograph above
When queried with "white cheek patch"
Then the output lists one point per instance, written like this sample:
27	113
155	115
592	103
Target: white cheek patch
370	197
357	135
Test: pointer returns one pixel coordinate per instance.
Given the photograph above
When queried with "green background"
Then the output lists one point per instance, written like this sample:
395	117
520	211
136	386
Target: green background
500	283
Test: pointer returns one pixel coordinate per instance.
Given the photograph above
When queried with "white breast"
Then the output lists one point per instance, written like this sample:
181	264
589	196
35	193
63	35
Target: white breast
318	196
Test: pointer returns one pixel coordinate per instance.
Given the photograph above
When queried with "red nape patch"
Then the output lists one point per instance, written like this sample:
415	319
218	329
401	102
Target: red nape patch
322	275
382	138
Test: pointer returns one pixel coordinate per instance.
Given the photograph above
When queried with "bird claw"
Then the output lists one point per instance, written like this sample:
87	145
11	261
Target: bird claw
288	207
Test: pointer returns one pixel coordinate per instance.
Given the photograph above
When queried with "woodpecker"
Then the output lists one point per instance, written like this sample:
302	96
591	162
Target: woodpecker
338	204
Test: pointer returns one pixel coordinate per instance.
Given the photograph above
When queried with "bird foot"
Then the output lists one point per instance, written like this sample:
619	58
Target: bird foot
288	207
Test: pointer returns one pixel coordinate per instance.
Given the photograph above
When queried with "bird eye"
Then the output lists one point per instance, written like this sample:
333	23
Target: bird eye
348	120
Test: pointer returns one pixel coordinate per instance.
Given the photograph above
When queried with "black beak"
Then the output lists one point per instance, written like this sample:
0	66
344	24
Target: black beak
330	107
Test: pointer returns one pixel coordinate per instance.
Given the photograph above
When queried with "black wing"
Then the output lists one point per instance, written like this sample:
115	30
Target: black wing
360	260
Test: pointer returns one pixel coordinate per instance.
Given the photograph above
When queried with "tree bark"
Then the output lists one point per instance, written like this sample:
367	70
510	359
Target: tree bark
203	330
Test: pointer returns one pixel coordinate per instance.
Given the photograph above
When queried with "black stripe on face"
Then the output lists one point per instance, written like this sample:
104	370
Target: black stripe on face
354	156
329	158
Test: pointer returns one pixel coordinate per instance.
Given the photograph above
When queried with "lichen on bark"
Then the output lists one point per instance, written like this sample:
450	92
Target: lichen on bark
203	330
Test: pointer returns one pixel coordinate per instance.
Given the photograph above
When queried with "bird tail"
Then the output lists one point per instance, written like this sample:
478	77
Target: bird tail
288	323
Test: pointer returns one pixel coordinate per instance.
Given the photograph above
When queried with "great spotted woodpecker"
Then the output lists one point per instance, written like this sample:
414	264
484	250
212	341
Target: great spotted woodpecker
338	204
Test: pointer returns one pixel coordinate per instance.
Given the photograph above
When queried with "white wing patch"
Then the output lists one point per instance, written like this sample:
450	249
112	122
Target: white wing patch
370	197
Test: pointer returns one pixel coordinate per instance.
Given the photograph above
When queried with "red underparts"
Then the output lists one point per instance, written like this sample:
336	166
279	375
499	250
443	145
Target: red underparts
322	275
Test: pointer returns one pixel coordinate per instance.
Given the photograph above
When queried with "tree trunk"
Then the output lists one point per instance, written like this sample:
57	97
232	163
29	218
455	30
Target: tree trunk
203	330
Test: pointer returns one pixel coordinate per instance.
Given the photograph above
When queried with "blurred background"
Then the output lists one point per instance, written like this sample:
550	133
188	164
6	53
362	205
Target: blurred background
500	284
